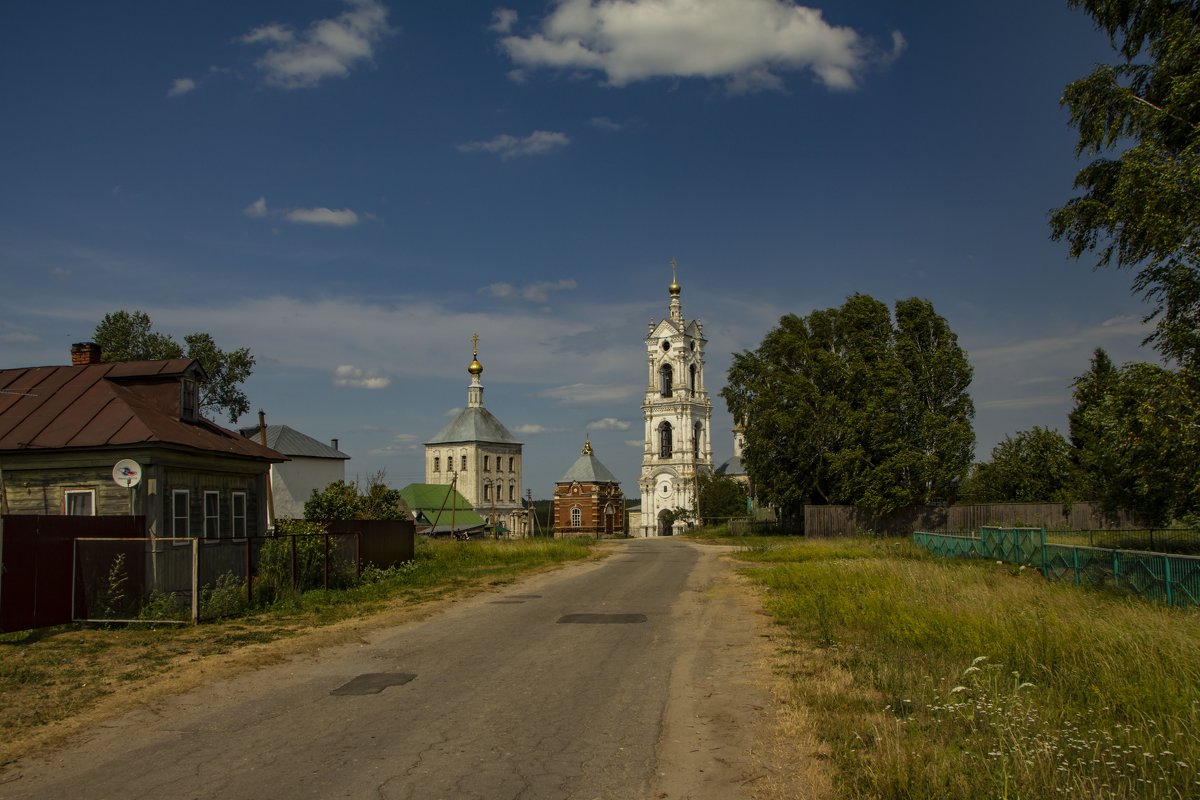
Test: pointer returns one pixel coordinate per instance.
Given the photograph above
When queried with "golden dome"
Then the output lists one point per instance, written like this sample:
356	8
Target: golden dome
674	287
476	368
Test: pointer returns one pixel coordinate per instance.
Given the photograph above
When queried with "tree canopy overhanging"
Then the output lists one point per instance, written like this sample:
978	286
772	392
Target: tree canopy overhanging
1139	207
125	336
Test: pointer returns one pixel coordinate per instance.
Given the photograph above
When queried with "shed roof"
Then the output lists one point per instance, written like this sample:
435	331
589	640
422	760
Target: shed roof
291	442
109	405
438	505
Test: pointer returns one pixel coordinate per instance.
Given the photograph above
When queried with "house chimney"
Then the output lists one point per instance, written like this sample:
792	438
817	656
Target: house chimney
333	443
84	353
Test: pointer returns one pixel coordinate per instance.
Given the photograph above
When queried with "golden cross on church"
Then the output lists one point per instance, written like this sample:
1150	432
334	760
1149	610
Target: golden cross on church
475	343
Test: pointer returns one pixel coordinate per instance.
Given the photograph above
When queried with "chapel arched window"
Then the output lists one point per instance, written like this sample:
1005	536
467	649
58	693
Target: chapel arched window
664	380
665	446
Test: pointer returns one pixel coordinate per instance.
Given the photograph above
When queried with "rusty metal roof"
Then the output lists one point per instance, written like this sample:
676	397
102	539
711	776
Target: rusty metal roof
109	405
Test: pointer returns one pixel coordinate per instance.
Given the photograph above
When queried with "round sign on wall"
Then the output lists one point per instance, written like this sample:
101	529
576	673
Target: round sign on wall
127	472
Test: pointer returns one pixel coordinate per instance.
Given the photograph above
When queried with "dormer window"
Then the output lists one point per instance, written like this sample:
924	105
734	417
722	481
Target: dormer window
189	401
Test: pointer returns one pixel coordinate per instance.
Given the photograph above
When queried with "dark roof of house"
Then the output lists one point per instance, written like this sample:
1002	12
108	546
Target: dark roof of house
109	405
474	424
292	442
588	469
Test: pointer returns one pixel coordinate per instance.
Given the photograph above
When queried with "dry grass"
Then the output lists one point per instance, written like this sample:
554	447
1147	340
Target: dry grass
936	679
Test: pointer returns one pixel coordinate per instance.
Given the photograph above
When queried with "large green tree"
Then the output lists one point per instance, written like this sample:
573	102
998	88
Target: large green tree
125	336
719	497
1031	466
852	405
1139	119
347	500
1139	440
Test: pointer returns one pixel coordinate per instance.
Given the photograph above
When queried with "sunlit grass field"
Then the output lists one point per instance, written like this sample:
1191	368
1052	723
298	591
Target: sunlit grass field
934	679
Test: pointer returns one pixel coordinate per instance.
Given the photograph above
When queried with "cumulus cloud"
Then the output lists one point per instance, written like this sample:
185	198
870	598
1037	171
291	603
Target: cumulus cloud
503	20
257	209
537	292
608	424
747	44
181	86
352	377
329	48
531	428
508	146
338	218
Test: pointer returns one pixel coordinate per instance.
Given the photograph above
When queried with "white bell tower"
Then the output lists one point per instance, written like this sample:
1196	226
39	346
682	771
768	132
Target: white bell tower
678	416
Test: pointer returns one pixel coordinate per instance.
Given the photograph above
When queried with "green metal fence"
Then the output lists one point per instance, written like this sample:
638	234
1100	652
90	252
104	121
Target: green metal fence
1163	577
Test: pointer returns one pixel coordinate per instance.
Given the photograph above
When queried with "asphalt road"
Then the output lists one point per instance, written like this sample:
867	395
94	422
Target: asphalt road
632	677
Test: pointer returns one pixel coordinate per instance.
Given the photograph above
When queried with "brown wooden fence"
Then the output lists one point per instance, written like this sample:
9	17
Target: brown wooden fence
36	553
826	521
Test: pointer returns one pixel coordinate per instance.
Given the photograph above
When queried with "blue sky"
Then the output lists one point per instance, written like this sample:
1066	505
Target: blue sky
351	189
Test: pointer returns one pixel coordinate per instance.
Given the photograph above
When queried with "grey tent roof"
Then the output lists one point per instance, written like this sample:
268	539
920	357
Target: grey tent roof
732	467
292	442
588	469
474	425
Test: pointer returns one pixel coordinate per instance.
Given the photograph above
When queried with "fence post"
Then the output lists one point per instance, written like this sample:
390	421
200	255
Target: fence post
293	540
1116	569
195	581
1045	566
358	553
325	577
1075	556
1167	574
249	574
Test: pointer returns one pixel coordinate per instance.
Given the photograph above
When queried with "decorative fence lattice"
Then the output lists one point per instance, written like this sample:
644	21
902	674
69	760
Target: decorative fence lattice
1163	577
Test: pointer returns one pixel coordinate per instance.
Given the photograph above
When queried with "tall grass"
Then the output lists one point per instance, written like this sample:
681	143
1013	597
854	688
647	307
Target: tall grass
956	679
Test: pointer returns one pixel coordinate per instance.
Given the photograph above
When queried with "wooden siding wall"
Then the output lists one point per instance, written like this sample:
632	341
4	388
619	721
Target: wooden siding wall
827	521
196	482
41	491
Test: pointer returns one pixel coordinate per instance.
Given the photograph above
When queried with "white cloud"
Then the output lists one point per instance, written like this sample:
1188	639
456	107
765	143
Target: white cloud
531	428
634	443
606	124
586	393
352	377
256	209
747	43
338	218
181	86
329	48
608	424
508	146
537	292
18	337
503	20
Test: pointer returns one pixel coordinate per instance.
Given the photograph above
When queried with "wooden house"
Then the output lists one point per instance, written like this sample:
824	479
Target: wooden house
63	430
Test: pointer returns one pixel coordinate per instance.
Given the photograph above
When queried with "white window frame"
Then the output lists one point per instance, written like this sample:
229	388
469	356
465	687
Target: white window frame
176	494
235	517
212	532
576	517
89	493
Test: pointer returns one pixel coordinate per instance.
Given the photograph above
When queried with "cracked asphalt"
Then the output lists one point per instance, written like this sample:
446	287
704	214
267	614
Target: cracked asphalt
638	676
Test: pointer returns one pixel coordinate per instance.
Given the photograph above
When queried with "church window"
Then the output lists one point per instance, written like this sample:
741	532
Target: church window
512	492
487	491
437	464
696	440
487	463
664	440
664	380
464	462
576	517
692	378
510	463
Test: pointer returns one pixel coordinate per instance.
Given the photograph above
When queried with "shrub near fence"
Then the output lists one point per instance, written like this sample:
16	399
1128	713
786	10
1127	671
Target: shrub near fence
1168	578
177	580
